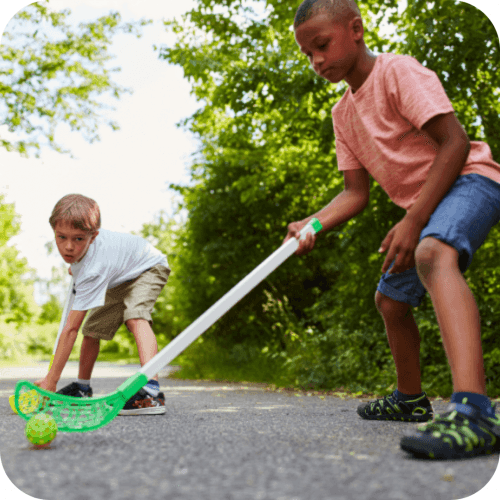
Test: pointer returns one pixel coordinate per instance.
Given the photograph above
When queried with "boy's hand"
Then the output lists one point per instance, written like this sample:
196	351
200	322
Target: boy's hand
46	384
305	245
401	241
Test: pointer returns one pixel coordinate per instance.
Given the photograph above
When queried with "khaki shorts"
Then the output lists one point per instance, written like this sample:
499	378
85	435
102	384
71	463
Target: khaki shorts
134	299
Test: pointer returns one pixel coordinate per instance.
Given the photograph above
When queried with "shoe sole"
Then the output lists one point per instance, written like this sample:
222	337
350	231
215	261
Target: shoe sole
394	417
143	411
398	417
420	449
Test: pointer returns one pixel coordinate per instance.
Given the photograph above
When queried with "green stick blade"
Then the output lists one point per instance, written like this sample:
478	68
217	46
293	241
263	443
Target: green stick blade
74	414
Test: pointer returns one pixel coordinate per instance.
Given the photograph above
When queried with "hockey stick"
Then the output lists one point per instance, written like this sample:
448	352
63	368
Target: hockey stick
30	397
86	414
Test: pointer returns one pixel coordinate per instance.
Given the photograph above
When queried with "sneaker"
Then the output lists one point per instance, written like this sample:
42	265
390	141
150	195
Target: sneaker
390	408
143	403
75	389
462	432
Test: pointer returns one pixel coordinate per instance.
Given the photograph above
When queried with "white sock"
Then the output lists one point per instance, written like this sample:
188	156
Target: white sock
83	382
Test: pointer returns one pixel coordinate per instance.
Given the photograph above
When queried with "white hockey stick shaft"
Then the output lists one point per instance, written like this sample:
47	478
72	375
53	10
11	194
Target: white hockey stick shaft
209	317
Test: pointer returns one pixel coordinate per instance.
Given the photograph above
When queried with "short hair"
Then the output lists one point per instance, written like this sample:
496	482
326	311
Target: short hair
339	10
82	212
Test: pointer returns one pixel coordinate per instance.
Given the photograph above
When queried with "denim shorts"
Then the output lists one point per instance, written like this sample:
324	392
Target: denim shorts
462	220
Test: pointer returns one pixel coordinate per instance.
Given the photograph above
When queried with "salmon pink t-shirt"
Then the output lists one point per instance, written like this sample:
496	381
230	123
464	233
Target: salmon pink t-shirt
379	128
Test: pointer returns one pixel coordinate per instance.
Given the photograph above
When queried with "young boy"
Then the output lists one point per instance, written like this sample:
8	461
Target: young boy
118	277
396	124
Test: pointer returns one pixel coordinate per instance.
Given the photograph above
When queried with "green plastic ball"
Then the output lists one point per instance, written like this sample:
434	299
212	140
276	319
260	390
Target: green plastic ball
41	429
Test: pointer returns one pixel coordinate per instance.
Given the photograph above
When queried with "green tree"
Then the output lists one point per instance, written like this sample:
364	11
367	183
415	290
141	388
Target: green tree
16	278
54	291
267	157
52	73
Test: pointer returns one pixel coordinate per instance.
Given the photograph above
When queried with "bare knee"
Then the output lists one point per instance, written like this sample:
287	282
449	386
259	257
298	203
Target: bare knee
134	323
390	309
430	255
426	255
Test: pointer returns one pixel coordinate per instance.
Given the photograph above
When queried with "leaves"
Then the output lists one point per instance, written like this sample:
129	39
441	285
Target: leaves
16	302
267	157
52	74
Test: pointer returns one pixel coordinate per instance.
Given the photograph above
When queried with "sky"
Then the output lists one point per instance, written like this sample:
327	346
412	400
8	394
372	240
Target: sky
127	172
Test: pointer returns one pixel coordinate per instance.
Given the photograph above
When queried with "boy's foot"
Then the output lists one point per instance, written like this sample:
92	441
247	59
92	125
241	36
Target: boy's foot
390	408
76	390
143	403
458	433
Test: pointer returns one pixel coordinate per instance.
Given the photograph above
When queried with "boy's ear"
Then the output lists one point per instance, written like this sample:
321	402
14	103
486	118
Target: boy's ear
357	27
94	236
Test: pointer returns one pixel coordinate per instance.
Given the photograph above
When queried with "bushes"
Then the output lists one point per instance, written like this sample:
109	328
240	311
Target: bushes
35	342
20	343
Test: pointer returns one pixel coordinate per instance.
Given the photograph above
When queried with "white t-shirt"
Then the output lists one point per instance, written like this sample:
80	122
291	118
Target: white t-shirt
111	259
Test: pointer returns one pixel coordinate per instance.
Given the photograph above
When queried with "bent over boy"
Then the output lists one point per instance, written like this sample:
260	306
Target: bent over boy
117	277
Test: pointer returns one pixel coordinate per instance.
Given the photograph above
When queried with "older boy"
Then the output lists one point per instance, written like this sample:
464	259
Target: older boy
118	277
396	123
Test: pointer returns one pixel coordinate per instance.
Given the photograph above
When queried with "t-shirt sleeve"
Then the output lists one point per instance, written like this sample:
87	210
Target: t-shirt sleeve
90	293
346	160
416	91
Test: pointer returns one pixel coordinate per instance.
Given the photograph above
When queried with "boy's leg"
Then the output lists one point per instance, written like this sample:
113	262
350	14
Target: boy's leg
456	311
408	403
404	341
148	400
455	231
88	356
140	296
396	294
145	339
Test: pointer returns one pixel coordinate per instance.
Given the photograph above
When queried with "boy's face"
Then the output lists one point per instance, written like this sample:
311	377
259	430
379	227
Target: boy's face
72	243
330	46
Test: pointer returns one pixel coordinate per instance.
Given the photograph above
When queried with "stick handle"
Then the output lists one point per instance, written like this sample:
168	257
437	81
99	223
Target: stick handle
209	317
68	304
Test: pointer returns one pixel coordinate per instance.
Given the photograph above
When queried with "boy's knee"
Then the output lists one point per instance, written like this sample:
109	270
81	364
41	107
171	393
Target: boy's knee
429	253
390	308
426	254
133	323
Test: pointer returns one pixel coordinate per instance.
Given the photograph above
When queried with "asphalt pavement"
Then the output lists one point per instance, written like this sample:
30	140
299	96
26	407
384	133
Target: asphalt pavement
221	441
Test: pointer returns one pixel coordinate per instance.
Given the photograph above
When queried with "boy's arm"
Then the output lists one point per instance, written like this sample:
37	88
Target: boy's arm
453	150
64	348
346	205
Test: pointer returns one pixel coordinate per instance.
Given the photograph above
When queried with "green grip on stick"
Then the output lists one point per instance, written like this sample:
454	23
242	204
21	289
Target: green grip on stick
316	225
132	385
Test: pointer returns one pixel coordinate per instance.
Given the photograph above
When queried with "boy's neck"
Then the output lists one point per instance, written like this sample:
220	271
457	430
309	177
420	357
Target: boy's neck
362	69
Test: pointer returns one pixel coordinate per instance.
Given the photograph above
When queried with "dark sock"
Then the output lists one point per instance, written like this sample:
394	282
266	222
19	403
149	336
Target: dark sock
152	388
479	400
400	396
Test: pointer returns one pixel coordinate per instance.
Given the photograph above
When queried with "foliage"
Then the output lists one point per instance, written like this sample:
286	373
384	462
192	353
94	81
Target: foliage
51	73
267	157
163	233
53	291
461	45
16	290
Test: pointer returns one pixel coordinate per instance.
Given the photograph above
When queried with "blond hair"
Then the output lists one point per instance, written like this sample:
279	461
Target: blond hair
81	212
